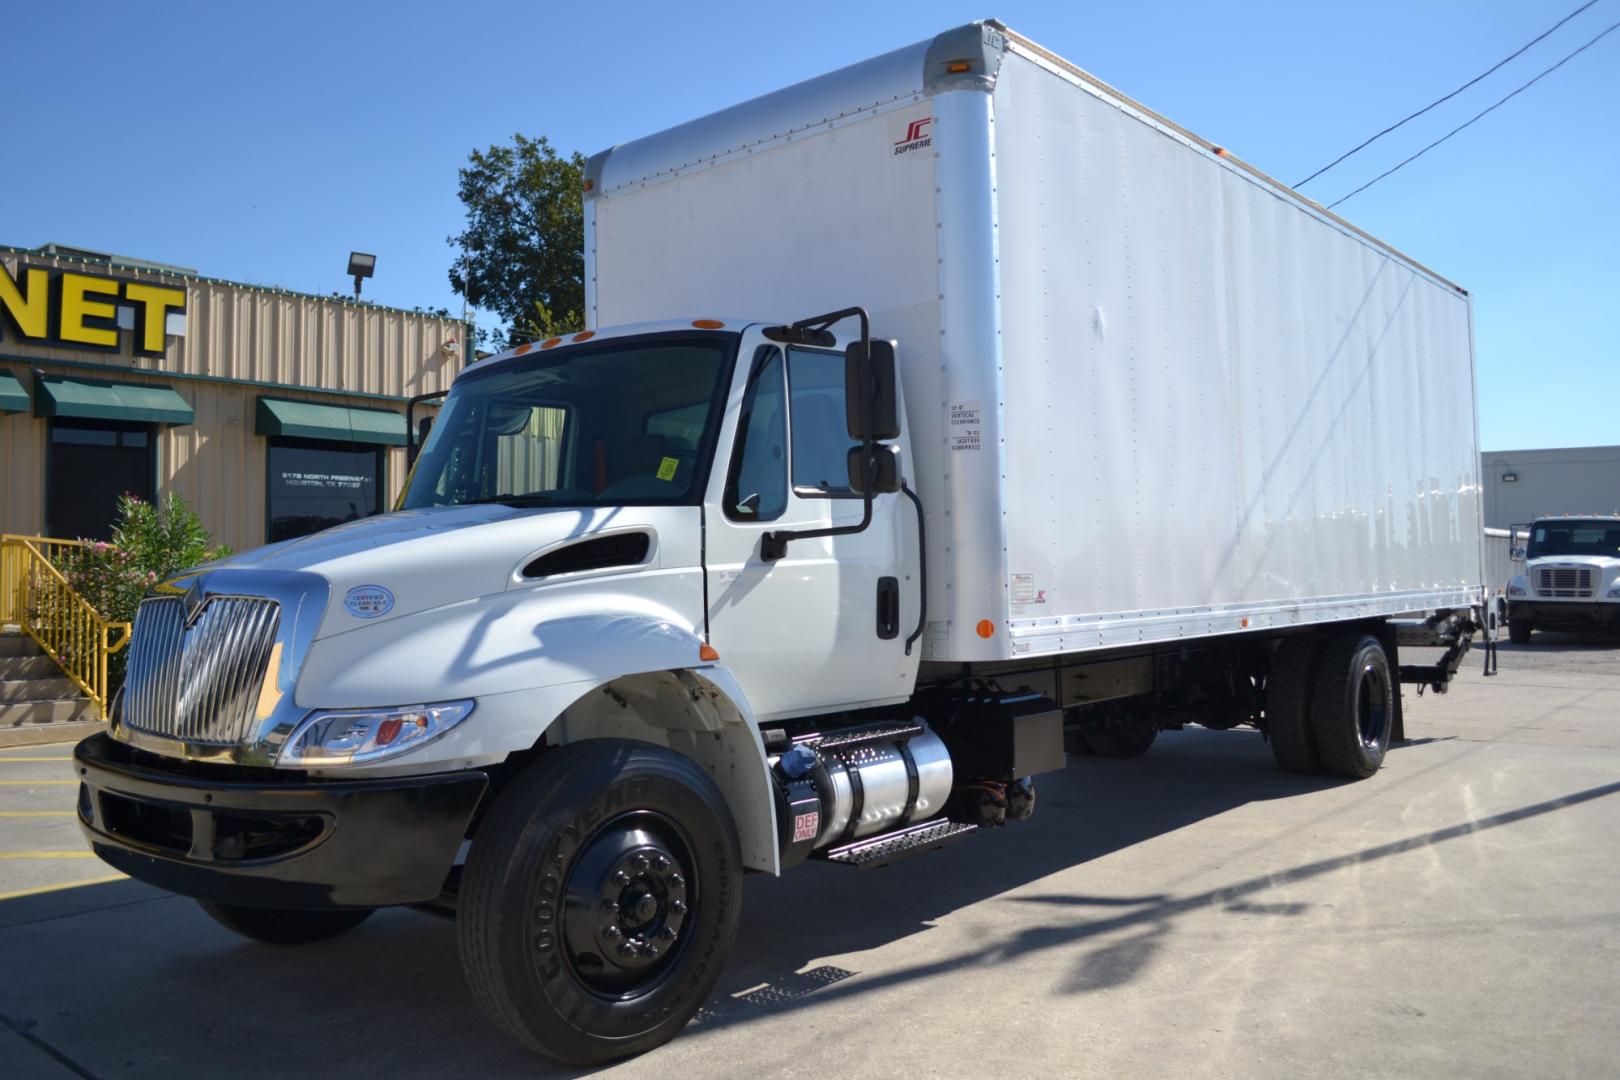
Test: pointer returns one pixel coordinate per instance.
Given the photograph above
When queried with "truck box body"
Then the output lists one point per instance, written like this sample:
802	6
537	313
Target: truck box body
1151	393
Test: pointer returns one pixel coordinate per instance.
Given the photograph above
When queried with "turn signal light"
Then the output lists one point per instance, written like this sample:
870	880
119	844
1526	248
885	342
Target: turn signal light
986	628
956	67
706	652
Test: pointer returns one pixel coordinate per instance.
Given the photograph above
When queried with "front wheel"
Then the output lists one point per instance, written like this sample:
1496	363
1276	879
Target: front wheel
599	900
1519	631
275	927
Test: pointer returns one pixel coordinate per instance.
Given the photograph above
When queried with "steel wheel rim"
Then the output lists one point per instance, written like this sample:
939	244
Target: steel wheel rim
1372	706
629	905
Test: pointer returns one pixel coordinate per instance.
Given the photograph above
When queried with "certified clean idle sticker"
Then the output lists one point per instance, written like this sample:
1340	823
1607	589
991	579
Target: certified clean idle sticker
368	601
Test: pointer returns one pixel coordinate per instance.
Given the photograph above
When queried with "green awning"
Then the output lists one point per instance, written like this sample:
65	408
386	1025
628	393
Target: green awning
309	420
13	398
92	399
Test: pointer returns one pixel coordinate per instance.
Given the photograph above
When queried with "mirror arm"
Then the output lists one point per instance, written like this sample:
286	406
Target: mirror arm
773	545
411	448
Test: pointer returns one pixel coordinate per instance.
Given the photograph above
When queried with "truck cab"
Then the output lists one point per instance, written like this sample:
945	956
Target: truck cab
1571	578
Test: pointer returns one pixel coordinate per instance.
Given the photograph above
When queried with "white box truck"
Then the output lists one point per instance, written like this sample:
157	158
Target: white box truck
1102	432
1571	577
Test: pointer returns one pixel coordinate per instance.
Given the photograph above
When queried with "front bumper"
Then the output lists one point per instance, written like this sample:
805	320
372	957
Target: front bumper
1567	614
260	838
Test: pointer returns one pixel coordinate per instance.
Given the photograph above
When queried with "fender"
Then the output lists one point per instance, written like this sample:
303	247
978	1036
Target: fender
556	665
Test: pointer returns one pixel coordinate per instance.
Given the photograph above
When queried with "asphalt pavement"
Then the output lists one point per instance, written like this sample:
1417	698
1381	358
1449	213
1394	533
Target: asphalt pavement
1195	913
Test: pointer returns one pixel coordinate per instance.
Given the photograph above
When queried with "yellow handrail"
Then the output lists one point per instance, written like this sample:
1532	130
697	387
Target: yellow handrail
38	599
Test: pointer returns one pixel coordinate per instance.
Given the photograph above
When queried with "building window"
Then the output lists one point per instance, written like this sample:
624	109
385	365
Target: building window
91	463
315	485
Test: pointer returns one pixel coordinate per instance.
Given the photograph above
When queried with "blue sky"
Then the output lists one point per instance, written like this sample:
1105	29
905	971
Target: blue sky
264	142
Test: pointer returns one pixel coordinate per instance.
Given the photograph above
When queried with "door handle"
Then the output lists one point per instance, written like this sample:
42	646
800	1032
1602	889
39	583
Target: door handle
888	608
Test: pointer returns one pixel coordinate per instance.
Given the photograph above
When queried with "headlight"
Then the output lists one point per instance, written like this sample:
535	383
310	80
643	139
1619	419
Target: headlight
1515	590
1614	591
350	736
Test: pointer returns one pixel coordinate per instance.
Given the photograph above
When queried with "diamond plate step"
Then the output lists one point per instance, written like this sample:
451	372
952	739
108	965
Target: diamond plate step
875	851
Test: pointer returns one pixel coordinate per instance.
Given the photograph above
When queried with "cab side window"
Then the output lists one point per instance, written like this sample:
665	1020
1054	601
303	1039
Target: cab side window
756	489
821	439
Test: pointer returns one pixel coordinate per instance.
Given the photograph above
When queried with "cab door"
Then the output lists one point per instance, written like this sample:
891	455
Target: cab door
824	626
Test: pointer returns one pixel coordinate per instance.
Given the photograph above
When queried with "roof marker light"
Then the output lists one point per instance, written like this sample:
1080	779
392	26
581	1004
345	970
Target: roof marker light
521	349
708	324
550	343
583	335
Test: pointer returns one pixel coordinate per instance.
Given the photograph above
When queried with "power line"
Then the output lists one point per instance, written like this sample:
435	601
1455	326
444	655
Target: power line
1459	127
1448	97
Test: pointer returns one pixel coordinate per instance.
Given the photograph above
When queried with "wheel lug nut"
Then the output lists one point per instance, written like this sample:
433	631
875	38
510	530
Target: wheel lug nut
610	906
667	933
627	950
612	932
650	952
676	881
661	864
639	862
678	906
621	878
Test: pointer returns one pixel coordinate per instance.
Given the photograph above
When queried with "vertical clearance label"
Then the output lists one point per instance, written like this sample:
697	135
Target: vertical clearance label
963	426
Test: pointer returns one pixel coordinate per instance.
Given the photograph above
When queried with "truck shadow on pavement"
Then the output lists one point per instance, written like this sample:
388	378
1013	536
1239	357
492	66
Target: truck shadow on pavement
123	978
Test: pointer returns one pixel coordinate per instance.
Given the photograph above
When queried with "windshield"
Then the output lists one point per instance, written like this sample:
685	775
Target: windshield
1574	538
624	423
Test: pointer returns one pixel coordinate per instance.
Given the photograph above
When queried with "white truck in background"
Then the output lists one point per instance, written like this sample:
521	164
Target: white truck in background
1101	432
1571	578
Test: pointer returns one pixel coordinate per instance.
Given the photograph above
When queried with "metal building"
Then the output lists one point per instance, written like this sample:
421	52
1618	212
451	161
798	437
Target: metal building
1524	484
273	413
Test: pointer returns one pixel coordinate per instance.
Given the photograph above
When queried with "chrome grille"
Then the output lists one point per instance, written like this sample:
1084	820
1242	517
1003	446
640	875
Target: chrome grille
200	684
1565	581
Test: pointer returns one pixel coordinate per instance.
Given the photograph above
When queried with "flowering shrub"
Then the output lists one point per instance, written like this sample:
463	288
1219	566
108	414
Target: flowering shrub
150	542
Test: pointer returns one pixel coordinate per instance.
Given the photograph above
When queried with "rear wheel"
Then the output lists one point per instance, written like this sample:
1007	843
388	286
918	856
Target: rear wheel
276	927
1127	736
599	900
1352	705
1519	631
1288	705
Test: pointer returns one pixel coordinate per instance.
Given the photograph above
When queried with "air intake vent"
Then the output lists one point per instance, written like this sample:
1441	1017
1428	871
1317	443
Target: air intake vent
626	549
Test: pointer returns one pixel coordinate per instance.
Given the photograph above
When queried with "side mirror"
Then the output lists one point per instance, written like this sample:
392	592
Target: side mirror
883	407
423	426
885	470
1516	554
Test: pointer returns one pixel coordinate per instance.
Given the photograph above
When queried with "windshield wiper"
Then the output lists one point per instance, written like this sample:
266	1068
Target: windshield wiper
532	498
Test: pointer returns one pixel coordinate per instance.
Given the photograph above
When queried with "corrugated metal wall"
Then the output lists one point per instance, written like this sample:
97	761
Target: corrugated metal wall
240	342
251	334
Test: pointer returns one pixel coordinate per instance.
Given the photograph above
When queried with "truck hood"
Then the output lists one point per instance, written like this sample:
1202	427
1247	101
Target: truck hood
1596	562
397	564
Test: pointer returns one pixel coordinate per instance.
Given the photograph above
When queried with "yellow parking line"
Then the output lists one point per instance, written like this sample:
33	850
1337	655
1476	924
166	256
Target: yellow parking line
47	854
33	783
37	813
38	889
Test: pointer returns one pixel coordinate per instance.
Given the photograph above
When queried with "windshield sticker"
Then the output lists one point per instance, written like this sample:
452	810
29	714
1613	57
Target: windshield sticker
368	601
667	467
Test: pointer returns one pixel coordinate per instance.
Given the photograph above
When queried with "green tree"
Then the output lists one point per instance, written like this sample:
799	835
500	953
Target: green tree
522	252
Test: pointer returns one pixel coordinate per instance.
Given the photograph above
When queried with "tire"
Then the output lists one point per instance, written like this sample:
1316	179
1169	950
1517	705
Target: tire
1353	705
1120	740
274	926
1288	705
1519	631
598	835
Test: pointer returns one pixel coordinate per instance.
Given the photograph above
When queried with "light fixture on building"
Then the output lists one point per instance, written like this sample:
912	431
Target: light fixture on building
361	266
1510	478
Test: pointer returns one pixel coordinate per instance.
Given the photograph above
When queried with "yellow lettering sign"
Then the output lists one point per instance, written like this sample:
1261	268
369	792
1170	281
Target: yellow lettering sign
151	317
76	307
28	307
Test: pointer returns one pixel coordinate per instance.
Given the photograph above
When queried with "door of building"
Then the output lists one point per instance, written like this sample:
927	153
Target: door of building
90	464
